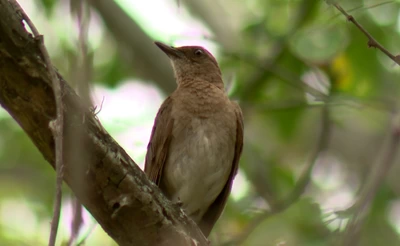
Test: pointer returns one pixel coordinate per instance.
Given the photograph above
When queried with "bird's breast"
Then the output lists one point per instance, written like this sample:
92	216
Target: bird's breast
200	159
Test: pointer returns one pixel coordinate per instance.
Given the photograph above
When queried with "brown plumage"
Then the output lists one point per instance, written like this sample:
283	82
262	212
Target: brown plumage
197	138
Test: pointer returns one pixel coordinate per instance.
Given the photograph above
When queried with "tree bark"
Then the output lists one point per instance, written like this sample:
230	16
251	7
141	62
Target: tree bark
130	208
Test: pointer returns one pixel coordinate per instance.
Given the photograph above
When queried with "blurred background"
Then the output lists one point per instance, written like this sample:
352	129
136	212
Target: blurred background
320	112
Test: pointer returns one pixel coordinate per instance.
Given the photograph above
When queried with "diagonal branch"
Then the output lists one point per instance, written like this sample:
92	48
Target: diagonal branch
372	42
114	190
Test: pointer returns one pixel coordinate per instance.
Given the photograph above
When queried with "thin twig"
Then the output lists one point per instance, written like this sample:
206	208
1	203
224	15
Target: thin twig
81	72
372	42
77	220
361	7
56	125
86	236
377	176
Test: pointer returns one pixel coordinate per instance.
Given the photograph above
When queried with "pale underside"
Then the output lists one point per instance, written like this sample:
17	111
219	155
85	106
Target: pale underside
199	166
194	150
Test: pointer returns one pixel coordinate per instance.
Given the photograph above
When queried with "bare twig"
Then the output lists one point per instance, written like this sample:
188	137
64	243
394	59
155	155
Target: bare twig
84	68
56	125
86	236
77	220
361	7
381	168
372	42
80	70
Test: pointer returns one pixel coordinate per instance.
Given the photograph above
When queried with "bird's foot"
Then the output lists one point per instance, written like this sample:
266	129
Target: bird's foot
179	203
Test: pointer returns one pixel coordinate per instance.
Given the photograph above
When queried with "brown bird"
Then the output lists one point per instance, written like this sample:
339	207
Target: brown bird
197	138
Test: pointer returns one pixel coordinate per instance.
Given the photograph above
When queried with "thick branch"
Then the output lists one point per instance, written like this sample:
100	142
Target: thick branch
130	209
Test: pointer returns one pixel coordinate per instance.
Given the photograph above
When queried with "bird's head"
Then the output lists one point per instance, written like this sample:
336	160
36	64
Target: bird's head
193	63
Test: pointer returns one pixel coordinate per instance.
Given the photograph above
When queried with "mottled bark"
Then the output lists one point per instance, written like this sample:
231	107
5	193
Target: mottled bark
110	185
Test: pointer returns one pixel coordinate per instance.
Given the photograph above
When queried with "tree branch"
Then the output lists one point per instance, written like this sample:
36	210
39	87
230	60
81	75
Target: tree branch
372	42
55	125
130	208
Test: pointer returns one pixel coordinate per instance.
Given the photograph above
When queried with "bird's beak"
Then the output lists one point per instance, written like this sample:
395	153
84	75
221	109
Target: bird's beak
169	50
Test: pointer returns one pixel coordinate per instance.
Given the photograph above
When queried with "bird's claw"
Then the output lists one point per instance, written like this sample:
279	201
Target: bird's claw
179	203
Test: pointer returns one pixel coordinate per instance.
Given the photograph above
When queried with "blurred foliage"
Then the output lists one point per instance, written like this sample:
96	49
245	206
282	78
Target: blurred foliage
281	45
48	6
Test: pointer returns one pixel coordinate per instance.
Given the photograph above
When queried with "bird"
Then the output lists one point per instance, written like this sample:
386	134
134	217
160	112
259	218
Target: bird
197	138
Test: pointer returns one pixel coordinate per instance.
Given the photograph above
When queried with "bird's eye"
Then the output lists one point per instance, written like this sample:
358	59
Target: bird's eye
198	52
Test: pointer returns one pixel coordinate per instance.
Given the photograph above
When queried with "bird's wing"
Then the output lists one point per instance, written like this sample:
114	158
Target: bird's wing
160	139
216	208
